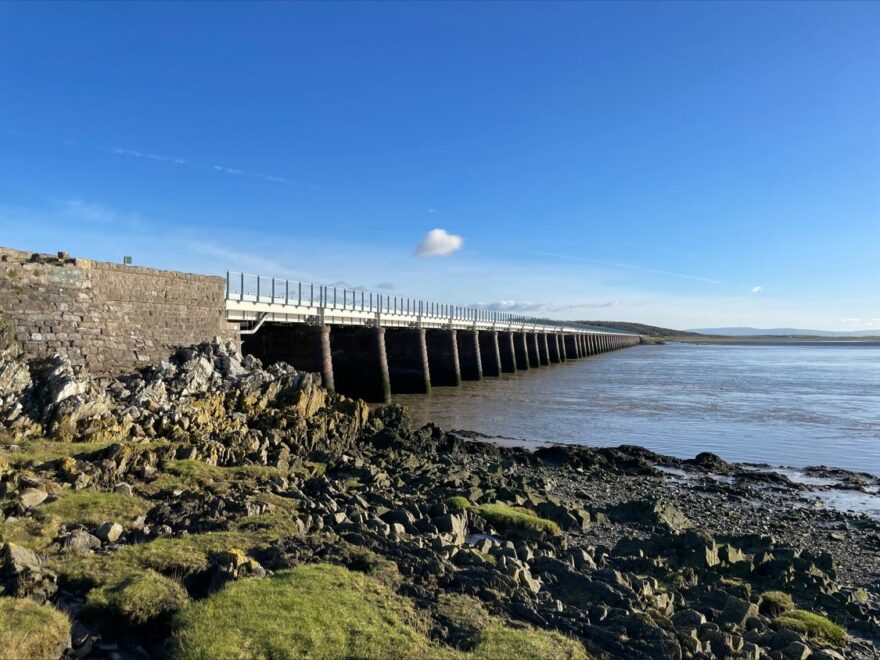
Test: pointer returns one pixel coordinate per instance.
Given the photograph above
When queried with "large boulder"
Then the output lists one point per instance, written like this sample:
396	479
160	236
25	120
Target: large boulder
650	512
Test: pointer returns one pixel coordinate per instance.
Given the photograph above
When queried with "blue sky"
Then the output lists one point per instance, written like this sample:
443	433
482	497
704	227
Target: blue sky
690	165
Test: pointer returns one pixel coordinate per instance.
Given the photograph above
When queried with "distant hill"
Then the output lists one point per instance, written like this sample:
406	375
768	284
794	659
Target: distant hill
642	329
783	332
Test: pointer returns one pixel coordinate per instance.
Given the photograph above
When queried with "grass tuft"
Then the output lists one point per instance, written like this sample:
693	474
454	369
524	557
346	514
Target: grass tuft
37	452
90	508
774	603
497	642
464	612
458	503
30	630
814	626
316	611
506	517
137	599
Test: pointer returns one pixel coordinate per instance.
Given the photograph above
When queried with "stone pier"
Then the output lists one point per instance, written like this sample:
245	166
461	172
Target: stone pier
443	362
507	350
469	362
490	353
552	340
543	348
532	350
360	365
521	344
304	347
407	353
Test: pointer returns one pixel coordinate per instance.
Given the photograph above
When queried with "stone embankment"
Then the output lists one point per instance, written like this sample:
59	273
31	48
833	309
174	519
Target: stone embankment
133	507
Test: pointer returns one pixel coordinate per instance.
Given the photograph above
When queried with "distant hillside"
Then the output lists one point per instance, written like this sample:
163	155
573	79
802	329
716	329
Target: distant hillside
783	332
642	329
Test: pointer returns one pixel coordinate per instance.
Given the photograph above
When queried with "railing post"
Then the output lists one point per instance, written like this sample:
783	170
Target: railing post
227	285
241	290
258	288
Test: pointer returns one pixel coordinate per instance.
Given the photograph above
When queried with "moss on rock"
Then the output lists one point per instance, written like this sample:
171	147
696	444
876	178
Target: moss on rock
506	517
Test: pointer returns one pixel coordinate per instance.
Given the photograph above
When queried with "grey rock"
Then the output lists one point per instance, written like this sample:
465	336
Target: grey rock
15	559
123	489
736	611
688	618
31	497
796	651
109	532
453	524
79	541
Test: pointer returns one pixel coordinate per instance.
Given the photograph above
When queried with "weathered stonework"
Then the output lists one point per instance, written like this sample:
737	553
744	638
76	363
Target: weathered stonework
106	317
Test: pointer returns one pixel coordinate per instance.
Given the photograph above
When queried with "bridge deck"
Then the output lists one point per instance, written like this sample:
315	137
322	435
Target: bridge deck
252	298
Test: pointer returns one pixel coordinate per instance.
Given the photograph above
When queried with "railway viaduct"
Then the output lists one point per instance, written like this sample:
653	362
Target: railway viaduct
374	345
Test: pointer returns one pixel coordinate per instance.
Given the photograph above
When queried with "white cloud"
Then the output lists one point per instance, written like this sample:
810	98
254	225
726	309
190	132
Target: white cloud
853	320
140	154
526	306
757	289
98	214
439	243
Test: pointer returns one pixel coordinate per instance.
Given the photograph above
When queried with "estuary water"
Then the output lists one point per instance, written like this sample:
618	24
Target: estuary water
792	405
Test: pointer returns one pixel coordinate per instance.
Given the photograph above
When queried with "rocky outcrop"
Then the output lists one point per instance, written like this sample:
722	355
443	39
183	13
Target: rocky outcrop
241	470
225	405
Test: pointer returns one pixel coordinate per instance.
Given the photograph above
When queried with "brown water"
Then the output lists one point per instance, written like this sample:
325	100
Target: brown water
778	404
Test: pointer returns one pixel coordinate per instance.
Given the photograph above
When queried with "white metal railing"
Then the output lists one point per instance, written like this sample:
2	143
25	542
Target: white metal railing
243	287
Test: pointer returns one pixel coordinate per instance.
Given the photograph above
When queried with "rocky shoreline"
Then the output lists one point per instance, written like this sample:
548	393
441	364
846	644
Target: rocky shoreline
132	507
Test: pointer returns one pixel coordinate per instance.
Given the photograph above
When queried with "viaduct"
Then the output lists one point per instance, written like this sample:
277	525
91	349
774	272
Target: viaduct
372	345
111	318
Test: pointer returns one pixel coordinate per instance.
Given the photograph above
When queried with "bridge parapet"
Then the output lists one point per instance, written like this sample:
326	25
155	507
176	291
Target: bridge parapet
254	298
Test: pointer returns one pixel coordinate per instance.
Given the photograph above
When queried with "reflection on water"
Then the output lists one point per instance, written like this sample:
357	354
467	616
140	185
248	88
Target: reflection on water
783	405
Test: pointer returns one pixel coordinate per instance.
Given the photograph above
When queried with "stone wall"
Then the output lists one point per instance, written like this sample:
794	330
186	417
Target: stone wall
106	317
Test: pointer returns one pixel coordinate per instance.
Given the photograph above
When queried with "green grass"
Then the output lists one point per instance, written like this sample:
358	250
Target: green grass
200	473
497	642
774	603
37	452
85	507
812	625
182	556
366	561
505	517
90	508
136	599
458	503
191	474
33	631
315	611
463	611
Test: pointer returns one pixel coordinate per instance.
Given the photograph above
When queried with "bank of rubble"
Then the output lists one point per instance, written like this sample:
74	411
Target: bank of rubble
128	502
